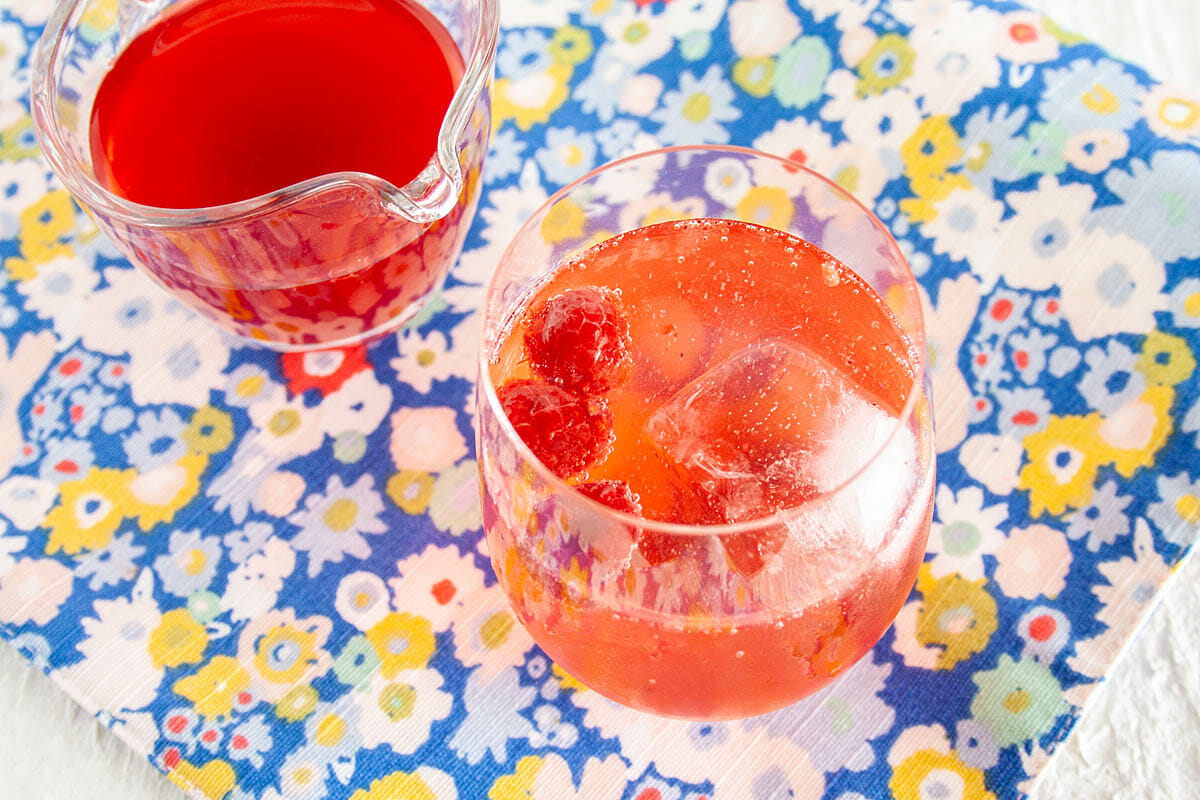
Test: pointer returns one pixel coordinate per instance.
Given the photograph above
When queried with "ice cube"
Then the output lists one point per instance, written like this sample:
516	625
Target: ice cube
770	427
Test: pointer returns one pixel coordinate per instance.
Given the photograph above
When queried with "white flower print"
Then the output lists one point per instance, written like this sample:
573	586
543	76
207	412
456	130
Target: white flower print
963	532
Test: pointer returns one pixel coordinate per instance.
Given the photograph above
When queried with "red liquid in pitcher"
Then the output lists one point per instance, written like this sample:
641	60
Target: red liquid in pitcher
225	100
761	375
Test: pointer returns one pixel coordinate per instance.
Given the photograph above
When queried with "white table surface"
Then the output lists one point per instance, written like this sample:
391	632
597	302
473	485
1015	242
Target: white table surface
1140	737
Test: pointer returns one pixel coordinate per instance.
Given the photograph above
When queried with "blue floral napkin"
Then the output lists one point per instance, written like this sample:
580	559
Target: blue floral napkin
267	573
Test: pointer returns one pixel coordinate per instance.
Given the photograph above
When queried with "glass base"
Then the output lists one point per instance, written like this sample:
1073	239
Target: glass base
377	332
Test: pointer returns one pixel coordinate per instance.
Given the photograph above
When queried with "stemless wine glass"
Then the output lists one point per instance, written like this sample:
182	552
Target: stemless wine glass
693	637
329	261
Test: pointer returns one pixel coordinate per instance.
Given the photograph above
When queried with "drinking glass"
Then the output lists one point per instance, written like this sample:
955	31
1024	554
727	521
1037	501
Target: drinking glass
694	637
331	260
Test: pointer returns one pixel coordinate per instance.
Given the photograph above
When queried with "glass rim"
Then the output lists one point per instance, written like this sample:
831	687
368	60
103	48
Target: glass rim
476	74
487	389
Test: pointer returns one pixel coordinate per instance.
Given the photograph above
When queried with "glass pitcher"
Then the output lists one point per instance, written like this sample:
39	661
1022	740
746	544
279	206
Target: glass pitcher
329	261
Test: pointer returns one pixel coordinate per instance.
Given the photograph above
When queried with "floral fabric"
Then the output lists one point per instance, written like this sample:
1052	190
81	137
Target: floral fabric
266	573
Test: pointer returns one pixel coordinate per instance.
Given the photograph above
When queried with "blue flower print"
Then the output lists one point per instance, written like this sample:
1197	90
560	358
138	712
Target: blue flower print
9	313
302	776
33	647
1103	520
975	744
551	730
1177	513
112	565
75	368
333	736
980	409
693	113
1029	353
156	440
250	740
85	405
1088	94
493	716
1160	204
247	540
991	145
1047	312
332	524
1191	420
209	737
1063	360
116	419
235	488
844	716
652	787
66	460
707	735
190	563
600	91
568	154
1112	378
250	384
987	364
114	374
523	52
504	155
181	725
1023	410
46	415
1184	303
616	139
1005	312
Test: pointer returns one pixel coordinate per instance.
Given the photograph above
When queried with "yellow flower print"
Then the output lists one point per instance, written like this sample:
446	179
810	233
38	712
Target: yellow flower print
297	704
566	680
88	512
571	45
43	225
519	784
931	149
178	639
1136	432
214	780
928	192
213	689
209	432
928	773
411	490
531	99
99	15
956	613
886	64
397	786
286	637
17	141
766	205
565	220
1165	359
756	76
156	496
402	641
1063	460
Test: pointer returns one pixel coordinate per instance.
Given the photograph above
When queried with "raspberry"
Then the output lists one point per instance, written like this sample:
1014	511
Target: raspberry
579	340
614	494
748	552
567	433
659	548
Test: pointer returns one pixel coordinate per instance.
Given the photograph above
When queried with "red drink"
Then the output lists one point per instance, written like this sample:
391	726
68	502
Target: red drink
221	101
762	376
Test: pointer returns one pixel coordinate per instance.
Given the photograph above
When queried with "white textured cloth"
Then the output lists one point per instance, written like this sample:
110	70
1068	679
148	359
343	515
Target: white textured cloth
1139	738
